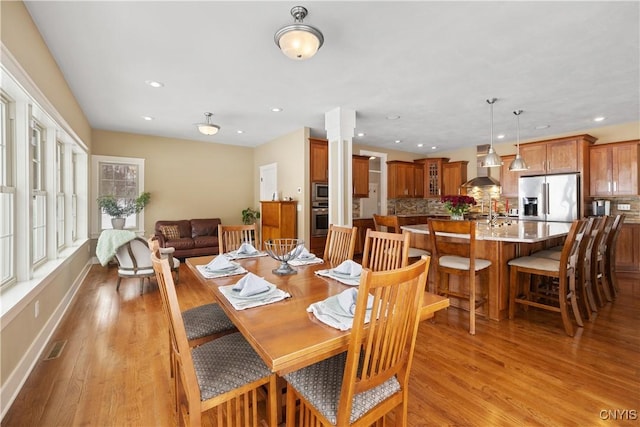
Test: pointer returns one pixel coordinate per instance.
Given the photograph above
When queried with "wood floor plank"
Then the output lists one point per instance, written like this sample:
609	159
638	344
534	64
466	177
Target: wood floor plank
114	369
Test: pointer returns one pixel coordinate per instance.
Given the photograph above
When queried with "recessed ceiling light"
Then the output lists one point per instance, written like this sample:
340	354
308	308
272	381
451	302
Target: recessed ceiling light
276	109
599	119
239	131
398	141
434	147
372	158
420	145
154	83
361	133
147	118
501	136
542	127
393	117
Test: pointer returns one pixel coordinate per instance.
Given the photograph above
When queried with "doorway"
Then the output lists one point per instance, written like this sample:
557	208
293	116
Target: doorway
376	203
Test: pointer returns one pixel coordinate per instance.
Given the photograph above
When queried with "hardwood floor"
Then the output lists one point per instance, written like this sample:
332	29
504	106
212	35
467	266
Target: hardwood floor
114	368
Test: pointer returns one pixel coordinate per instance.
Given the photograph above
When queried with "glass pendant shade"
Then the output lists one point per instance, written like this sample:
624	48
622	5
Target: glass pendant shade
208	128
518	164
299	41
492	160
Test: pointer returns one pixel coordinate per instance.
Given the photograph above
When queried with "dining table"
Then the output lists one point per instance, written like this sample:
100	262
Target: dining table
283	333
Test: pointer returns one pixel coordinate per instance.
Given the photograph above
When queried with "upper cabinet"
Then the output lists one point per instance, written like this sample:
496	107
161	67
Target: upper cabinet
508	179
319	159
402	180
614	169
360	175
556	155
454	174
433	176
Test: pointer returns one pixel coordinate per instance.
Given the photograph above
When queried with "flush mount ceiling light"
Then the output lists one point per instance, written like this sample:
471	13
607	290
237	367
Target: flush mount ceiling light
492	160
208	128
518	164
299	41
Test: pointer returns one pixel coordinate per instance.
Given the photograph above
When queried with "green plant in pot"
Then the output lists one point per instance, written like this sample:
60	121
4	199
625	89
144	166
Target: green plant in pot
120	209
250	216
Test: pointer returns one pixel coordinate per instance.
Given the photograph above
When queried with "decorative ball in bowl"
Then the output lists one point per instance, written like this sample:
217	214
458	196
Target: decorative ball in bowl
284	250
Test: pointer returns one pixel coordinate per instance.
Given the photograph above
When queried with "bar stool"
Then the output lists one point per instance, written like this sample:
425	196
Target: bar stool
391	224
457	255
559	290
610	256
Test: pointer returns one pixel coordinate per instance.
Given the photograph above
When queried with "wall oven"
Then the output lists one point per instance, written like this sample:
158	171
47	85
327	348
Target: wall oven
319	219
320	192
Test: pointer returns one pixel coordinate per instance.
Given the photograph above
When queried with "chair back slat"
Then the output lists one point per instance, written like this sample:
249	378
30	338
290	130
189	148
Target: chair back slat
384	347
231	237
385	251
340	244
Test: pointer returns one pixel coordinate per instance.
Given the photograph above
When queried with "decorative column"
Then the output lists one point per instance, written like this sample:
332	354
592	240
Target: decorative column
340	124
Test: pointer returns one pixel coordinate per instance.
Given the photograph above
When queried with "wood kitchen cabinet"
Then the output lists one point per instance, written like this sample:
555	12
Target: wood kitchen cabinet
628	248
433	176
508	179
360	175
454	174
560	155
319	160
401	180
614	169
279	220
418	180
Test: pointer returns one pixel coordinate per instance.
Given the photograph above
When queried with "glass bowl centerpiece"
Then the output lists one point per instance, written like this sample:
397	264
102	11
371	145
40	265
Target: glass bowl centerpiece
457	206
284	250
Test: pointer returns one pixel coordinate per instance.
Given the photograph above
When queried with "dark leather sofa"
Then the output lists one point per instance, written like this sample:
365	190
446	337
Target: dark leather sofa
197	237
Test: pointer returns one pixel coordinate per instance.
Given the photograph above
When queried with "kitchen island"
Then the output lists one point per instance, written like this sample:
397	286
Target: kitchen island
500	244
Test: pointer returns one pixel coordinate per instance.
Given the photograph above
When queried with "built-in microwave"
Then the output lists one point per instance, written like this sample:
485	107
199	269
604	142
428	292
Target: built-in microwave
320	192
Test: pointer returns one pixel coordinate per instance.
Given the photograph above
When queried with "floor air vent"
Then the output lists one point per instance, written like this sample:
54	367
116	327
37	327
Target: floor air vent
56	350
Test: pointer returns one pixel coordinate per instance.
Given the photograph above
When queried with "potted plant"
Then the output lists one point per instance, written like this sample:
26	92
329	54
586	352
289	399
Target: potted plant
119	209
457	206
250	216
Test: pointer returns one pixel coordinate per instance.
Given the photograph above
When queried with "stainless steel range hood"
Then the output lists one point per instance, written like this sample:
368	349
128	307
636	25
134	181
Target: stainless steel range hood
484	178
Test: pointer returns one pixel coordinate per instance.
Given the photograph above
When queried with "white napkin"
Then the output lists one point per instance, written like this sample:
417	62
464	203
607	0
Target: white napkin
350	268
251	284
246	249
305	254
348	298
220	263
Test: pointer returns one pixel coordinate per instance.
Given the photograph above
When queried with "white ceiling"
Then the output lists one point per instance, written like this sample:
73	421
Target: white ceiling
432	63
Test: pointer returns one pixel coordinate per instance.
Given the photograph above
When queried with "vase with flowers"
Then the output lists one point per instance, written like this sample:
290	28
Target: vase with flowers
457	206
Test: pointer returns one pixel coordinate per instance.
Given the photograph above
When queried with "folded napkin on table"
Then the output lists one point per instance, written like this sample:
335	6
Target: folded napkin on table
251	285
332	311
306	261
246	249
220	263
349	268
305	254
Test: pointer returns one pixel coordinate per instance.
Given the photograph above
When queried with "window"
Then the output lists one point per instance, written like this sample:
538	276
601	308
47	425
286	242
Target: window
38	195
60	197
122	177
7	194
74	196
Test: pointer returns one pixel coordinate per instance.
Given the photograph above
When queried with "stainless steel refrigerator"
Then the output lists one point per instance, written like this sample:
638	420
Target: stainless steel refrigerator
549	197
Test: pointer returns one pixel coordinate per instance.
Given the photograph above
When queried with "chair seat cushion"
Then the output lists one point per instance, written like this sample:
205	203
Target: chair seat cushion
141	272
462	263
205	241
226	363
182	243
537	263
416	253
320	385
205	320
548	253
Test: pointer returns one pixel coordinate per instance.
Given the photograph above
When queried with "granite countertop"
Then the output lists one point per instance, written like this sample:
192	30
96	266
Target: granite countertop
517	232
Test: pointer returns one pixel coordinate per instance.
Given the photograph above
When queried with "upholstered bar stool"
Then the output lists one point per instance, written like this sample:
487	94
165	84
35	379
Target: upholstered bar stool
391	224
560	291
610	255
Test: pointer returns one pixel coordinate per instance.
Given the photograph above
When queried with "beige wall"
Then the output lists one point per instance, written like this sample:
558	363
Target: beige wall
291	153
186	179
20	36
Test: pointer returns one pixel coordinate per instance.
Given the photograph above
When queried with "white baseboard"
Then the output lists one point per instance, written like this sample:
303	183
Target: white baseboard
13	384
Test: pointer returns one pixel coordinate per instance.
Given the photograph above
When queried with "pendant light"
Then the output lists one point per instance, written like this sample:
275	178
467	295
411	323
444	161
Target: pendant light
299	41
208	128
492	160
518	164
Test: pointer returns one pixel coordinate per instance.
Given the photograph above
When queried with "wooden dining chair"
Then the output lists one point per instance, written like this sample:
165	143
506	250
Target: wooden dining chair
340	244
456	254
225	375
231	237
552	295
391	224
385	251
371	379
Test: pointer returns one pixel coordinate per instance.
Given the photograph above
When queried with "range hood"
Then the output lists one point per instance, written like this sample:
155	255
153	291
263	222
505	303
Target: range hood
484	178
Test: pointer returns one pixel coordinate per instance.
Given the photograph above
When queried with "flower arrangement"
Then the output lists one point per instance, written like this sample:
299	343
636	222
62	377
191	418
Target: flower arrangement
458	205
122	208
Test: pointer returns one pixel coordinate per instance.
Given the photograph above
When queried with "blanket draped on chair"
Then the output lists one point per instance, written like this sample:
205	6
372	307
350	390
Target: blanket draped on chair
109	242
